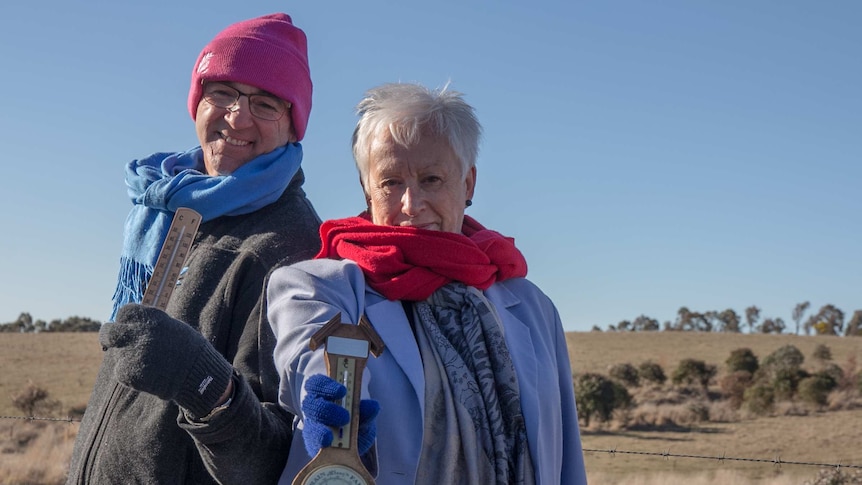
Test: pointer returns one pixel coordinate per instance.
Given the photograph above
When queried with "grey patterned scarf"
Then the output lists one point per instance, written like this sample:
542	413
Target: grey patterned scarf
474	428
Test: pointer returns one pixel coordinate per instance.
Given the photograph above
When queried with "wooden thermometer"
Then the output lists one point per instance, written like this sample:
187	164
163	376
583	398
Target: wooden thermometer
346	348
172	258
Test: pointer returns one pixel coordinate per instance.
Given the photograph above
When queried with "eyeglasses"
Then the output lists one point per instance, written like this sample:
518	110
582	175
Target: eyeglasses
263	106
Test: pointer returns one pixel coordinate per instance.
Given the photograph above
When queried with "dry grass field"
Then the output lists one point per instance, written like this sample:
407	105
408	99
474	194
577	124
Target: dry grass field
595	351
828	437
66	364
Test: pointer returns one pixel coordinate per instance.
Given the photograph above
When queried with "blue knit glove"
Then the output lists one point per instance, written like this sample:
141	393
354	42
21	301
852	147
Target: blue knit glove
320	412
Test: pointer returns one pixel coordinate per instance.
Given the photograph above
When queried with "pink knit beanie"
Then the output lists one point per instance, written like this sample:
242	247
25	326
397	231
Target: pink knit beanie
267	52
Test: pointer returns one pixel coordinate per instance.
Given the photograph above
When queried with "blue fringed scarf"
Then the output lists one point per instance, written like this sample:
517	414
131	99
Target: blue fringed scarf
163	182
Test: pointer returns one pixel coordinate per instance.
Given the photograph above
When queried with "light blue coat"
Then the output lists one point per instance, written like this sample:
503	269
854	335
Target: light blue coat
302	297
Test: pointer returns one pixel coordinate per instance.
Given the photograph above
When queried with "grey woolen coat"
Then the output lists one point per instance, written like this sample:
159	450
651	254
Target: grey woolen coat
132	437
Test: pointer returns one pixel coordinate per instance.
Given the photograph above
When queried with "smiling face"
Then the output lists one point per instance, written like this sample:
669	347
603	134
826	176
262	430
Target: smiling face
230	139
421	186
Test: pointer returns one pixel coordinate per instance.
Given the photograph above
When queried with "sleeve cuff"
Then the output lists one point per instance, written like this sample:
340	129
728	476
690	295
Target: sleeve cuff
205	383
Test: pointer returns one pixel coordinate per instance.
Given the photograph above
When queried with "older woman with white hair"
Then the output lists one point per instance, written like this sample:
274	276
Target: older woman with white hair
474	384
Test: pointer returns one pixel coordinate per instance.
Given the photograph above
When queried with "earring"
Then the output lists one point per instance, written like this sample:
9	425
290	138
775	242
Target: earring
469	202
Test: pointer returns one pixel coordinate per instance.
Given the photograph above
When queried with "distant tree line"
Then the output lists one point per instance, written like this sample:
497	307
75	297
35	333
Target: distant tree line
26	324
829	320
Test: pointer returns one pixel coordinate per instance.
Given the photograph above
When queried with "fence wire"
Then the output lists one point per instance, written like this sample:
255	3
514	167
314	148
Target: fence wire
37	418
776	461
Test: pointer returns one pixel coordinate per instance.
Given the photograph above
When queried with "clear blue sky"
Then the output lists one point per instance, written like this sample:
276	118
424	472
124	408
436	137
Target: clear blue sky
644	155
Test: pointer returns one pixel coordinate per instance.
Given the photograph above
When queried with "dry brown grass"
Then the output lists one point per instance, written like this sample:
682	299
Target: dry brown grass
66	365
668	424
35	452
722	477
831	438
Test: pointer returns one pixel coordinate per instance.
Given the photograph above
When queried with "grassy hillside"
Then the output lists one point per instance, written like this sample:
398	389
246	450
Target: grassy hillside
595	351
828	437
66	365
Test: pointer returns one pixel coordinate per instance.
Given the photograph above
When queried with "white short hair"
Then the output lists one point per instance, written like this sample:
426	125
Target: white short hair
405	111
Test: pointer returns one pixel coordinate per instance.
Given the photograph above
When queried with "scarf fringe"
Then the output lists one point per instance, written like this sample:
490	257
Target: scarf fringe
131	283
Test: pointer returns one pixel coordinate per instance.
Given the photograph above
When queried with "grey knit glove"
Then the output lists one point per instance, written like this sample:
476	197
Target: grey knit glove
165	357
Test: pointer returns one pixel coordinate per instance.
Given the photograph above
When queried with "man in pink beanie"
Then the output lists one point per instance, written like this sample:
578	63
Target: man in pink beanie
189	395
268	52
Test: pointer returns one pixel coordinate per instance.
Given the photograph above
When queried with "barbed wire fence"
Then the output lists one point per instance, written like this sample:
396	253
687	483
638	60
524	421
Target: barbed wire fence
39	418
776	461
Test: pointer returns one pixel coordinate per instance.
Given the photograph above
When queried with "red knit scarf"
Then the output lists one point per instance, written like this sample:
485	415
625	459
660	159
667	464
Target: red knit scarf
406	263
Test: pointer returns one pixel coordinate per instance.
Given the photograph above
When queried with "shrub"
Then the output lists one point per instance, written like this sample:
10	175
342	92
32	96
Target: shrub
836	476
733	387
848	375
782	371
834	371
759	399
598	396
742	359
822	353
786	357
29	398
651	372
785	382
622	398
669	416
693	371
815	389
625	373
699	411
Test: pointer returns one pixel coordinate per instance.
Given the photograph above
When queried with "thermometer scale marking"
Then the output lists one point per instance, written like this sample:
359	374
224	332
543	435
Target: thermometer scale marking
172	257
346	348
